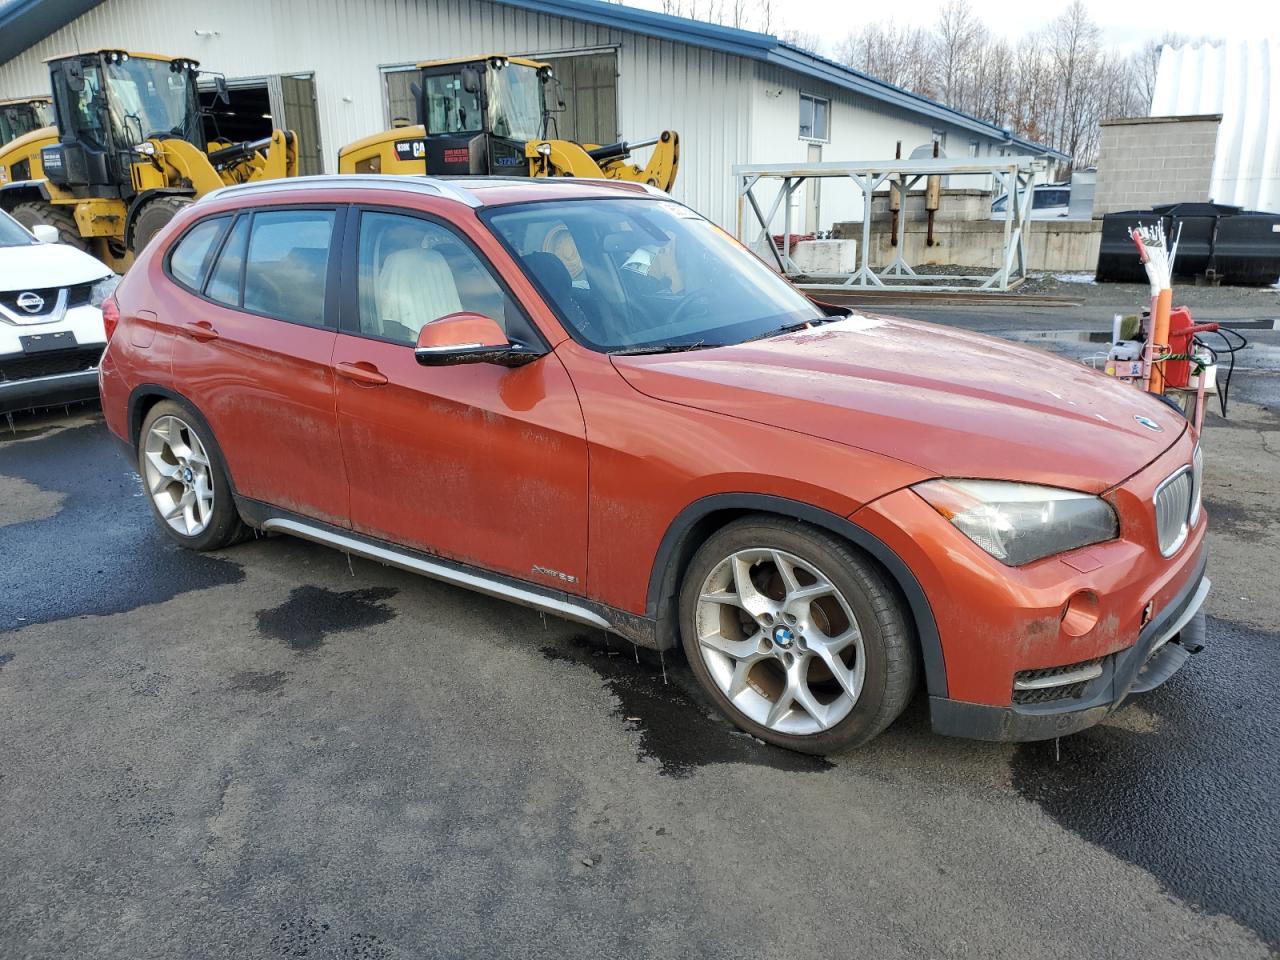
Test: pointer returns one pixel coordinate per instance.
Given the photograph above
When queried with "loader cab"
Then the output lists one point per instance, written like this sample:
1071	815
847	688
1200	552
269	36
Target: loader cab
479	114
108	104
20	117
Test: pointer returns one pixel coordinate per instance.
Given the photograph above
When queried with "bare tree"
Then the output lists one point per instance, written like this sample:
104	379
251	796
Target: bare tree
765	24
956	36
802	39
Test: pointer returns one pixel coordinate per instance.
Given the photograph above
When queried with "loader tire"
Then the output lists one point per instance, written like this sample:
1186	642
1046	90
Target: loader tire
37	211
154	217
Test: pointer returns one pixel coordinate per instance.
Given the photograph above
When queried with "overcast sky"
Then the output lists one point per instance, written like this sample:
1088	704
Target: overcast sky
1125	25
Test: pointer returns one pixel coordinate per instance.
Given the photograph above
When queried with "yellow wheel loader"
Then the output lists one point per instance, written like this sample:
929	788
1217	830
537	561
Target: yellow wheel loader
127	153
21	116
491	116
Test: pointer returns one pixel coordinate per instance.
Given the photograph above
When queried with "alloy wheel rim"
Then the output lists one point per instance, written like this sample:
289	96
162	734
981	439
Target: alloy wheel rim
178	476
780	641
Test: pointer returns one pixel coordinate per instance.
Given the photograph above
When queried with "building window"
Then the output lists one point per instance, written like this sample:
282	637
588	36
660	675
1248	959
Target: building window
815	114
588	84
589	88
973	148
402	107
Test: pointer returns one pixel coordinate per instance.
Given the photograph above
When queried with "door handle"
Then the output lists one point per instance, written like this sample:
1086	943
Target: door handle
362	372
201	330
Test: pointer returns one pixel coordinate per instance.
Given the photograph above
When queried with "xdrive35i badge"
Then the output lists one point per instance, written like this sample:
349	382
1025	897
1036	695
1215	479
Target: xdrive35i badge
554	574
1148	422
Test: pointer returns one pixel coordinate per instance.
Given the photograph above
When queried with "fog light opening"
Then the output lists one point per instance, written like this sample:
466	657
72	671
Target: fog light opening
1080	613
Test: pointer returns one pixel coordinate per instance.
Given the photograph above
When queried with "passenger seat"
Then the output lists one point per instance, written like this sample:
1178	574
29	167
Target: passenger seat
415	286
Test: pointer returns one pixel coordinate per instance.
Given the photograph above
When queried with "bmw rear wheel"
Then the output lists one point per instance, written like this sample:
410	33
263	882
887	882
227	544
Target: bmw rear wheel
185	480
797	636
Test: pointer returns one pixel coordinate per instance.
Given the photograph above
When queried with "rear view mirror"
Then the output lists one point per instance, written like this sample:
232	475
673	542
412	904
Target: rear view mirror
224	95
468	338
471	79
45	233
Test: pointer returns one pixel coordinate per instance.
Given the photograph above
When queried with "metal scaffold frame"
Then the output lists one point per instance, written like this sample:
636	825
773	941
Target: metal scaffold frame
1015	176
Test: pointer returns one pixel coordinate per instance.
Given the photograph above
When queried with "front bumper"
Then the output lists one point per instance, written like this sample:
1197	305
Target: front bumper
1163	646
48	391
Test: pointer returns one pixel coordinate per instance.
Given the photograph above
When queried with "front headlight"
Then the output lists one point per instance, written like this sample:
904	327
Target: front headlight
1020	522
103	289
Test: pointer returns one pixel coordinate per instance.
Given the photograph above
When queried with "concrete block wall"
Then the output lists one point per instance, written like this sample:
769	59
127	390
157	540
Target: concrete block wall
1146	161
1060	246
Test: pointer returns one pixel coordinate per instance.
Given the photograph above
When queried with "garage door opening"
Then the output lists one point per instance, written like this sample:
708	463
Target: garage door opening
259	105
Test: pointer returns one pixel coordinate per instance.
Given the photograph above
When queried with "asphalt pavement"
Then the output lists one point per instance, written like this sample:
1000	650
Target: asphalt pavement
275	751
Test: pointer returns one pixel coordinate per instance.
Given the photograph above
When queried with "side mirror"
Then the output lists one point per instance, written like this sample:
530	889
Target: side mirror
75	76
223	94
471	79
468	338
45	233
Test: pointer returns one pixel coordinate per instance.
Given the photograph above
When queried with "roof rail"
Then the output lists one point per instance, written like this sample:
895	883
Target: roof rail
430	185
561	181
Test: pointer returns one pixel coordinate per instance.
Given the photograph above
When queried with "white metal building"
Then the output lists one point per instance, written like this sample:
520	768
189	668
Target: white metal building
335	70
1241	82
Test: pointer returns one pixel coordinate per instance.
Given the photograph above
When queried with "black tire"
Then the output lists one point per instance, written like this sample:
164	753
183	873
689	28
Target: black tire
225	526
891	656
154	217
37	211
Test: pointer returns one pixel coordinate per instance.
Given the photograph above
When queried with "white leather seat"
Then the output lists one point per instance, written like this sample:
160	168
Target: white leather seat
415	286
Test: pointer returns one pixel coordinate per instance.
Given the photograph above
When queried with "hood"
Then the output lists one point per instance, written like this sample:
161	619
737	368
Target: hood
41	265
951	402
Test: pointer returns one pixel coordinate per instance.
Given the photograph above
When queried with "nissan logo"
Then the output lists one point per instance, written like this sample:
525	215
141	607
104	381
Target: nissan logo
30	302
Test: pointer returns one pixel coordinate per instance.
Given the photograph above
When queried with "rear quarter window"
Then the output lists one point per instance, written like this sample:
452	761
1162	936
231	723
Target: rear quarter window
192	255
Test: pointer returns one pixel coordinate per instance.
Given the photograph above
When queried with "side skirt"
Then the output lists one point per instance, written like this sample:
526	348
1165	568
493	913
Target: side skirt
640	630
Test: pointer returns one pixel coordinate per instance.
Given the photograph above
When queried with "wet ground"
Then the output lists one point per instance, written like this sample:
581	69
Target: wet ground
278	752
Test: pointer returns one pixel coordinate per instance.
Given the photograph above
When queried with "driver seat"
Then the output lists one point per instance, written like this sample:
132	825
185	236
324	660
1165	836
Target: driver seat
551	273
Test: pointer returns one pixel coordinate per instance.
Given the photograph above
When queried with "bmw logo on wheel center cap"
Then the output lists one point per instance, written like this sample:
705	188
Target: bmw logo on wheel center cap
783	637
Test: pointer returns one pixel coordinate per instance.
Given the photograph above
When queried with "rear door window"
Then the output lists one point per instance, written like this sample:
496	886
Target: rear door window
288	264
189	262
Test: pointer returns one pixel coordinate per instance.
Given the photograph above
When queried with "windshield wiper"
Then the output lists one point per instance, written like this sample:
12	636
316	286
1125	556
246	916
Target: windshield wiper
661	348
792	328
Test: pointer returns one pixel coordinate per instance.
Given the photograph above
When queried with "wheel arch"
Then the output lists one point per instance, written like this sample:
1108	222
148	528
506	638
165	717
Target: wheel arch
142	199
693	525
145	396
22	191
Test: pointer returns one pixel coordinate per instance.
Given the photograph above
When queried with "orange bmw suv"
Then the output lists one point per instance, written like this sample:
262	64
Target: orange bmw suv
586	398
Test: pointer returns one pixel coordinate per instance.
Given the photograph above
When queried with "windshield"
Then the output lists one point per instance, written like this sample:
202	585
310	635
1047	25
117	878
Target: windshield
450	109
515	102
148	98
12	233
17	119
629	274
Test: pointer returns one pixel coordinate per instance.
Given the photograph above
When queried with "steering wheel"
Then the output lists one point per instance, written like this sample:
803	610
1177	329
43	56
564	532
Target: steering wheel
685	306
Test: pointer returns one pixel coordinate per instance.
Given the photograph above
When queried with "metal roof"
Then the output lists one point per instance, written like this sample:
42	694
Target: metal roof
1241	82
767	48
25	22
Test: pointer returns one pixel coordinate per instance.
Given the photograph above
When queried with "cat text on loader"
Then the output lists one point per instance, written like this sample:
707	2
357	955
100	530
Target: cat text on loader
491	116
127	153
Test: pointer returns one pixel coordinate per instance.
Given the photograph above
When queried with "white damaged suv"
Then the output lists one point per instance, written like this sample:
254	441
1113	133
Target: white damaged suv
51	333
